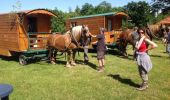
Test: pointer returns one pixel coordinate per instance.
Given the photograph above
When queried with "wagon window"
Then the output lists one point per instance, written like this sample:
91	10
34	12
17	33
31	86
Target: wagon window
109	25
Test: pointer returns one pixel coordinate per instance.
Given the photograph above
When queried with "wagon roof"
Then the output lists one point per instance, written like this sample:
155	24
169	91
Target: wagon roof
36	11
103	14
40	11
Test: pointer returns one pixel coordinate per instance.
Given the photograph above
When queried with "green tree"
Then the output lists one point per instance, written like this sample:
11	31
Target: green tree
166	2
77	10
87	9
139	12
103	7
117	9
58	22
163	5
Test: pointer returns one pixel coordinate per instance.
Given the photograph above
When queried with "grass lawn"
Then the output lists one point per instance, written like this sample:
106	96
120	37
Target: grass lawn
43	81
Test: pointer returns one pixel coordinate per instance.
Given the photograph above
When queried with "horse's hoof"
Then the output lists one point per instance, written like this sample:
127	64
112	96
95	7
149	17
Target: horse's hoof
68	66
53	63
73	64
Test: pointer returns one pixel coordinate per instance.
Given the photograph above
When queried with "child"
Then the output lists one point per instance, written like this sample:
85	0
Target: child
101	48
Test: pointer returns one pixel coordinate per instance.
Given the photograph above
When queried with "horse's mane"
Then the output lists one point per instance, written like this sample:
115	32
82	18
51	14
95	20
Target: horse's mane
76	29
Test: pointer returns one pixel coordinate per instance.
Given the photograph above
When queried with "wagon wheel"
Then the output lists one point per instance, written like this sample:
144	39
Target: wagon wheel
22	60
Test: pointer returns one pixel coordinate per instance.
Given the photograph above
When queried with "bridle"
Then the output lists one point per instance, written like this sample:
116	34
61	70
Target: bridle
83	35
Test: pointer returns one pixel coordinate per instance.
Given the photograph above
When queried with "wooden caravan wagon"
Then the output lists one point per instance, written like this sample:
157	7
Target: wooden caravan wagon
113	22
25	33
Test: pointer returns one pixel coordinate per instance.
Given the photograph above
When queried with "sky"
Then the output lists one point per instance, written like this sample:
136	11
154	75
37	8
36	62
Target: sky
63	5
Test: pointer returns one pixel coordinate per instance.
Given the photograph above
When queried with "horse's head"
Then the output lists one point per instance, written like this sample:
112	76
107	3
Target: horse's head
80	33
85	35
85	31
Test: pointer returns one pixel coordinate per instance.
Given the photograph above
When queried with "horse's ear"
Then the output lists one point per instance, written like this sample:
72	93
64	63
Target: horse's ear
83	26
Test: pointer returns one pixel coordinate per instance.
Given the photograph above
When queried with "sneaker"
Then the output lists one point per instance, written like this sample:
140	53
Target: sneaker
100	69
86	62
143	86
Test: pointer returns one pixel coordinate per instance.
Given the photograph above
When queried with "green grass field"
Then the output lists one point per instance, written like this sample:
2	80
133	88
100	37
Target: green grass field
43	81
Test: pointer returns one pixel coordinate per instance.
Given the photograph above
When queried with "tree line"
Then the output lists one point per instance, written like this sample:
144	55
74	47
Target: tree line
141	13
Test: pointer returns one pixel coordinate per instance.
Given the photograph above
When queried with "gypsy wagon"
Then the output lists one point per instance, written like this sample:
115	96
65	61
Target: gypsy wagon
113	22
25	34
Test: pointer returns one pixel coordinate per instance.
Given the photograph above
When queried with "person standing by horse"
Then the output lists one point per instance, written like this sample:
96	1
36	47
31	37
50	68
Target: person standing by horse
143	60
85	43
149	33
168	41
101	49
135	38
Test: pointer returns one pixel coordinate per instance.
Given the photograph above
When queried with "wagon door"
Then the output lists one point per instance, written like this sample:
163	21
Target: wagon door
32	24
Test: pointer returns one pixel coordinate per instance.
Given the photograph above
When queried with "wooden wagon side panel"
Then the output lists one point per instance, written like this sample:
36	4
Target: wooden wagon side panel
117	23
23	38
94	23
8	34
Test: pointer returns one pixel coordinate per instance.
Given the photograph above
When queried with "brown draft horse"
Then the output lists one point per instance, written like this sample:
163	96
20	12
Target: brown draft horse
126	38
68	42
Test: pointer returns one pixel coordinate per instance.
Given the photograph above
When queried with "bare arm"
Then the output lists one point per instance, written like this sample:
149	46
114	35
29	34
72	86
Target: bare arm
153	44
94	42
92	35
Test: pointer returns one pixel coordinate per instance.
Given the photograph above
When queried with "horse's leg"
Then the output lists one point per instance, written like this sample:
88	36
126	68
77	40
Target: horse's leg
54	54
50	54
124	50
134	52
73	58
52	57
68	58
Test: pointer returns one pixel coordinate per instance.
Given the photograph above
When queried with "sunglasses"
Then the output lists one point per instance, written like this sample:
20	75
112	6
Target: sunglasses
141	32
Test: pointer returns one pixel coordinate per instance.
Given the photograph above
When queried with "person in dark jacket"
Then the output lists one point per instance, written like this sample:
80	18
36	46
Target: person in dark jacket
101	48
148	32
135	38
168	41
86	47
